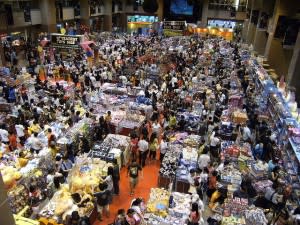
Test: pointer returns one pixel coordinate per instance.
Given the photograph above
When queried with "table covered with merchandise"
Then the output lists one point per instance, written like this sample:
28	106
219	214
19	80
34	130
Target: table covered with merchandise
114	146
82	180
167	208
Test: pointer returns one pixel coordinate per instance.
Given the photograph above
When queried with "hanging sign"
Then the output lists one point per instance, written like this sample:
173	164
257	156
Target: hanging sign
66	41
174	28
174	25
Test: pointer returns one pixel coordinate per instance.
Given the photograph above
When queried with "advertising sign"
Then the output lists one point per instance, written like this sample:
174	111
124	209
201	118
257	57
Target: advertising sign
174	28
66	41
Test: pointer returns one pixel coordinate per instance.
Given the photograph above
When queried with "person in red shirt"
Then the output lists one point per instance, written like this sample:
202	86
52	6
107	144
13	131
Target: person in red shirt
194	216
212	184
13	145
23	91
134	148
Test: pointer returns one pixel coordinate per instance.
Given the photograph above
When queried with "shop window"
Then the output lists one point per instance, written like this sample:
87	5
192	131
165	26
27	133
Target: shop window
254	17
93	10
9	15
77	9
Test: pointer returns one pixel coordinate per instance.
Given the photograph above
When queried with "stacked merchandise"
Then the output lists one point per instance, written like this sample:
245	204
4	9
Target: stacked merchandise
131	120
169	165
167	208
234	211
63	203
18	191
192	118
76	195
114	146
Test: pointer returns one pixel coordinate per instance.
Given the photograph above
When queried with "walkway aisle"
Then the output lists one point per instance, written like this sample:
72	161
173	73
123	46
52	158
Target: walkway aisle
146	182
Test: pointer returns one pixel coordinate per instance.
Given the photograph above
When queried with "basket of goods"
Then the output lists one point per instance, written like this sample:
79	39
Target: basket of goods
239	117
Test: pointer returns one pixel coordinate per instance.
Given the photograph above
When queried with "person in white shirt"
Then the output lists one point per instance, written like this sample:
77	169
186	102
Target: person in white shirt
246	133
174	81
143	147
203	159
123	79
20	133
214	141
35	143
109	75
4	135
163	148
164	87
156	128
104	76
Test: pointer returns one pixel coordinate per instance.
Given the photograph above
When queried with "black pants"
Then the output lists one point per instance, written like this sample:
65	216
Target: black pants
116	186
37	151
22	140
152	155
143	157
161	157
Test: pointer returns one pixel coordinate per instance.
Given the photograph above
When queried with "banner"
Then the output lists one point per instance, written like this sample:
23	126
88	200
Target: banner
174	28
66	41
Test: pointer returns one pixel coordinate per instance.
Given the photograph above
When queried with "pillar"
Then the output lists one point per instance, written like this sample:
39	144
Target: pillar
204	13
294	68
245	29
261	34
85	12
2	57
279	57
272	28
251	29
5	211
48	14
160	11
107	15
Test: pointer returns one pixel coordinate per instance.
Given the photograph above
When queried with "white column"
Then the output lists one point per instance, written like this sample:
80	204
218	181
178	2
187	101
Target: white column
48	13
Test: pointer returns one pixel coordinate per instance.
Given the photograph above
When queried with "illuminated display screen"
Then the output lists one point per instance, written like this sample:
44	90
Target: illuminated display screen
221	23
181	7
138	18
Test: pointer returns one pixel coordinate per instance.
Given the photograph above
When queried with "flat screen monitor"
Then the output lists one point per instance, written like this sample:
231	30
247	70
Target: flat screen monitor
181	7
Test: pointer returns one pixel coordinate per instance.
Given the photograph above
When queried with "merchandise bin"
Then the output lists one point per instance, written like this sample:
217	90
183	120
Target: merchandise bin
164	182
182	186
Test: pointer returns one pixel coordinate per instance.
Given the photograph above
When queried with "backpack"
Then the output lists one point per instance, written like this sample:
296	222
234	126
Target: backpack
133	171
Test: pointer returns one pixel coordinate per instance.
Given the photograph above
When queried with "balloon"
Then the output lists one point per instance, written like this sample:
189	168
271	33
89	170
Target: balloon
89	54
62	30
40	49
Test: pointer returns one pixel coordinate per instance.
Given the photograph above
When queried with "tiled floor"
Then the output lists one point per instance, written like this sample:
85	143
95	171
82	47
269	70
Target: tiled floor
148	179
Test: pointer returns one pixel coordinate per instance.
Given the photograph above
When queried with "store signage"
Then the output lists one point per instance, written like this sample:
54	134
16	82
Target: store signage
66	41
174	25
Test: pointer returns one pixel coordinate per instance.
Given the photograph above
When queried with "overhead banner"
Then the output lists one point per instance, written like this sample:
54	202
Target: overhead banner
174	28
66	41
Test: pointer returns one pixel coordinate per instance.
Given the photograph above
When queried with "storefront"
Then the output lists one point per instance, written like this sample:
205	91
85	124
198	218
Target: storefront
97	23
140	24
